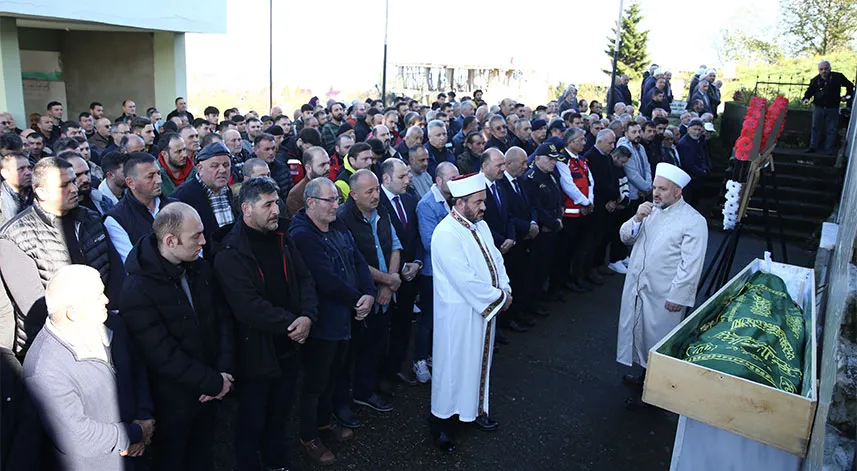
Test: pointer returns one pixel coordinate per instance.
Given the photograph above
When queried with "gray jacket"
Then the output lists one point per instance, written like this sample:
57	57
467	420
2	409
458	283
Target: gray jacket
638	170
76	399
12	203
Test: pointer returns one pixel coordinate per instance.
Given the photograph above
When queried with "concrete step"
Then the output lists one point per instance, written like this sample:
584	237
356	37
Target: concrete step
785	154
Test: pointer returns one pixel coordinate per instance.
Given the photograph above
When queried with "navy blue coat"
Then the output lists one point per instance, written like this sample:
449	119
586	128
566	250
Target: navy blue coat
498	218
521	213
340	272
412	247
436	157
692	154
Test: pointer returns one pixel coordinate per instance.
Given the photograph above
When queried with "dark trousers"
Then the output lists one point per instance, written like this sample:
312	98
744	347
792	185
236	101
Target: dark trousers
581	246
425	321
321	360
600	238
542	253
401	321
359	377
824	120
517	261
263	412
563	255
184	435
613	222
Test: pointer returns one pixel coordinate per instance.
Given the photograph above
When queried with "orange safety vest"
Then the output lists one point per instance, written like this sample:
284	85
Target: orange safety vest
580	174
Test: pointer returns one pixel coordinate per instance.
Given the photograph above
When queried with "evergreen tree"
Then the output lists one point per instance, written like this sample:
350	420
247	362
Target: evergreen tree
633	57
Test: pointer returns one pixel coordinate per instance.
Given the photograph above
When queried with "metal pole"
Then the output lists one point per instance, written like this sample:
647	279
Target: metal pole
384	70
616	45
271	54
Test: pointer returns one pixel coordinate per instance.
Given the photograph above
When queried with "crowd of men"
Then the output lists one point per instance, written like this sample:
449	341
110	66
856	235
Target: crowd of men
247	252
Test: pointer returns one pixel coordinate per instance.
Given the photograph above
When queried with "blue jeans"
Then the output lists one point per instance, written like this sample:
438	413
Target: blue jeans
824	120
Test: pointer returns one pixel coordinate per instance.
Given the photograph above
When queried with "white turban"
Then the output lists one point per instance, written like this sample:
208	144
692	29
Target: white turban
672	173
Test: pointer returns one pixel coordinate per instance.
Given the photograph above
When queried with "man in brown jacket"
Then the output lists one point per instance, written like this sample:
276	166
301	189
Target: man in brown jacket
316	164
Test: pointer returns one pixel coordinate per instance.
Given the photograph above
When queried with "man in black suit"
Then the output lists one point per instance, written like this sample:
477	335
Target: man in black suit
402	206
497	204
522	215
208	192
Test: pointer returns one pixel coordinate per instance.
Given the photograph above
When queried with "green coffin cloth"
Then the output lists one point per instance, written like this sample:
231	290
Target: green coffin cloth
757	335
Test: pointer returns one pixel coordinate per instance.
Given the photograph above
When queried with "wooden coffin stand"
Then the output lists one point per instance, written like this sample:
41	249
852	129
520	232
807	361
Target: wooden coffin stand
758	412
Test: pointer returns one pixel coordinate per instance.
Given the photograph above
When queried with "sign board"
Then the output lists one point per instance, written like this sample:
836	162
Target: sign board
677	107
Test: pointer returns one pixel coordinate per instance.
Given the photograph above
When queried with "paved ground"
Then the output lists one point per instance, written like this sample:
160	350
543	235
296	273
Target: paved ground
555	390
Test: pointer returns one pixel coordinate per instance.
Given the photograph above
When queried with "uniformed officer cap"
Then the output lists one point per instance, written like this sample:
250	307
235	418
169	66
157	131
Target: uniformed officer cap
549	149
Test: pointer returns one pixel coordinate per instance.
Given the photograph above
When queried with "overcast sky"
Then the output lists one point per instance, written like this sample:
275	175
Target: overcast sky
324	43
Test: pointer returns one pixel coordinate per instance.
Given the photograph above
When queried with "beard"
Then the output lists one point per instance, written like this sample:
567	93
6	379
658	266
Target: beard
84	189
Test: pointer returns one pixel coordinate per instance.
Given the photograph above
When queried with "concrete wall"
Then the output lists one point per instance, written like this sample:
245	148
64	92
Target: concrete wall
108	67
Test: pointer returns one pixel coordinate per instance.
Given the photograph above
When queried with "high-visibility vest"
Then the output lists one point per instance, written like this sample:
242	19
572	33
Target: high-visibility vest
580	174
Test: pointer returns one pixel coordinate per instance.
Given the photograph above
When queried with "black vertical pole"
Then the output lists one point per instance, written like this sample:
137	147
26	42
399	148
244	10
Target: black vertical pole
384	70
270	54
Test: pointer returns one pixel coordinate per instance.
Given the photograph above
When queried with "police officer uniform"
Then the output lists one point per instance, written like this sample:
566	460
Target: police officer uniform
545	196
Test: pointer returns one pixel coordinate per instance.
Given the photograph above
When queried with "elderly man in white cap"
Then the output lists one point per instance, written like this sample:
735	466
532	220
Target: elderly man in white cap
470	288
669	239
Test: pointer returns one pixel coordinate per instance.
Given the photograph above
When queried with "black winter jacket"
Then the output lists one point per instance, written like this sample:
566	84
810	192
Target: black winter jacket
39	235
257	320
185	346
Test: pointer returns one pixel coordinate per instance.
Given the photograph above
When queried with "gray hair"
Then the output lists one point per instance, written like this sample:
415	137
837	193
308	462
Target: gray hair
602	134
495	118
431	115
824	62
434	124
254	188
414	130
313	188
467	104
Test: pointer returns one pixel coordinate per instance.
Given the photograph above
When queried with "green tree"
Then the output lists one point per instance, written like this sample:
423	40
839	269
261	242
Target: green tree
820	26
633	56
737	45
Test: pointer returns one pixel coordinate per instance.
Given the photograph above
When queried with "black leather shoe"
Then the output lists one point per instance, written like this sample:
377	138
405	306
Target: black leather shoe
586	287
484	423
408	378
555	297
809	150
346	418
595	278
574	287
375	402
500	338
444	443
541	312
526	322
633	381
515	327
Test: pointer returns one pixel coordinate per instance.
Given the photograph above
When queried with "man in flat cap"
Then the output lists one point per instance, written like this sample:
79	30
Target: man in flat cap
208	191
669	239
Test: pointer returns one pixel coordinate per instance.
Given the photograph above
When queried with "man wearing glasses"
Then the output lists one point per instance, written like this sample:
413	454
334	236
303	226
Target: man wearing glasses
346	294
499	133
824	90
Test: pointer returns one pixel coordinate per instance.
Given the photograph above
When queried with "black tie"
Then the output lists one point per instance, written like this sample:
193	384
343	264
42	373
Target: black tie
515	184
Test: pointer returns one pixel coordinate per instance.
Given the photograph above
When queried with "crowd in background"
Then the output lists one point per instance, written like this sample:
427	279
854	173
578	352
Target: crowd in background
239	253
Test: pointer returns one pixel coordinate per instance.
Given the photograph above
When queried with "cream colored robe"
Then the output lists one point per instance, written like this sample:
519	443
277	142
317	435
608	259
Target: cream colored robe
666	264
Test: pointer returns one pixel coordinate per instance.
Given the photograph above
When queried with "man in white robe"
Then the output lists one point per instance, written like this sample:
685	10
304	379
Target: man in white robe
470	288
670	239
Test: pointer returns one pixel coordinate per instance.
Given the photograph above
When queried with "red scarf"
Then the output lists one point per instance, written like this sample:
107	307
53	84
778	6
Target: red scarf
183	173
